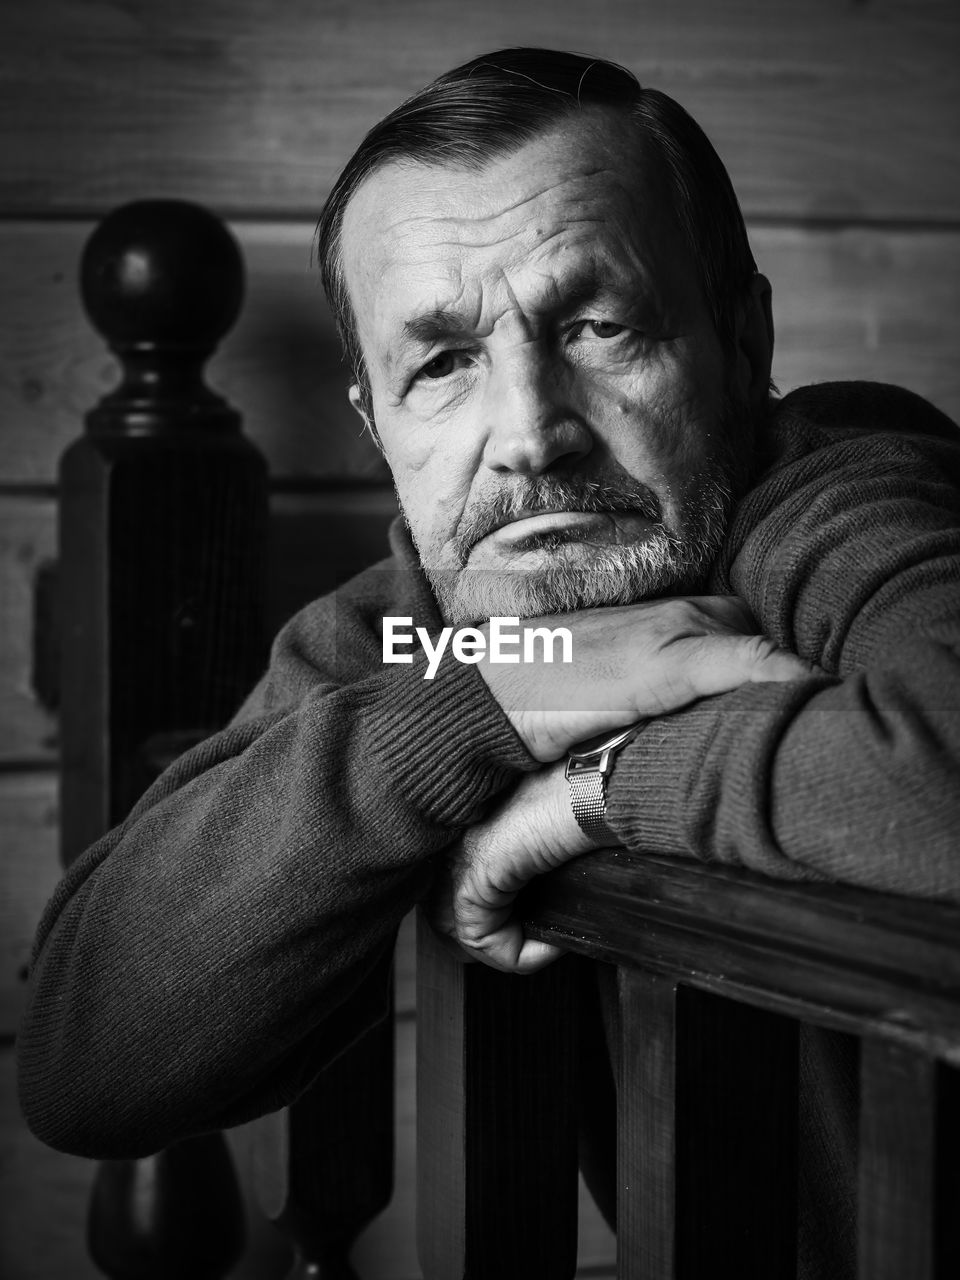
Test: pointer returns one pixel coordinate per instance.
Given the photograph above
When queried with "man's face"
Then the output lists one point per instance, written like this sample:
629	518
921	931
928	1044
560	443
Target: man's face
546	381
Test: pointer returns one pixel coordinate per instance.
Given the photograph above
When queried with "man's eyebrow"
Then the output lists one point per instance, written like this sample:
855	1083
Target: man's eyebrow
586	286
422	330
597	283
439	323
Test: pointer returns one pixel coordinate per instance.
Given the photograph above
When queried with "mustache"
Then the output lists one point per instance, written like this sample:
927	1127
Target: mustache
532	495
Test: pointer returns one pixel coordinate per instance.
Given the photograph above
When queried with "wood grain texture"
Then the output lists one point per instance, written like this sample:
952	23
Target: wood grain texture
855	303
28	732
29	871
858	303
818	109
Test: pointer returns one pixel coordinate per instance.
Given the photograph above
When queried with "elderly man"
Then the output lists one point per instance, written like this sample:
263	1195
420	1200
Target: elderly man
562	346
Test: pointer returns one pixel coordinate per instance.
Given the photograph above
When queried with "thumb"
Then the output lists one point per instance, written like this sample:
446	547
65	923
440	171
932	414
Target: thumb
488	930
507	949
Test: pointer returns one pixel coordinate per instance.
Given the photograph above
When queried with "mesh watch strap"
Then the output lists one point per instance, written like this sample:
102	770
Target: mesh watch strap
588	795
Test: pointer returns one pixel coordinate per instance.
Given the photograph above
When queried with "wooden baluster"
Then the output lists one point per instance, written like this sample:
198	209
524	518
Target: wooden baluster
909	1193
496	1119
324	1166
707	1099
738	1106
897	1119
162	529
646	1128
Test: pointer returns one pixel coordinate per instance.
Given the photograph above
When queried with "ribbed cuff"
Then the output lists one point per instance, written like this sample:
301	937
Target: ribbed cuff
448	744
647	796
699	782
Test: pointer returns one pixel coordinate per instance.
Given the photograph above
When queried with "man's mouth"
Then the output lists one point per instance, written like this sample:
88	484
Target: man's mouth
530	529
545	517
535	512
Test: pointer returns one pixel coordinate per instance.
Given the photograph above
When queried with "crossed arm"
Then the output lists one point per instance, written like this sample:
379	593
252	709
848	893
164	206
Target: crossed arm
202	962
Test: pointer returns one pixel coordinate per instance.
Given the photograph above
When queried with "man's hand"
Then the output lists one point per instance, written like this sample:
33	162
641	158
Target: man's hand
472	903
642	660
631	662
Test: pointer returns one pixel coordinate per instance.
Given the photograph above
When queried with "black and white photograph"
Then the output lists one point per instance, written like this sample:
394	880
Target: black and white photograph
480	640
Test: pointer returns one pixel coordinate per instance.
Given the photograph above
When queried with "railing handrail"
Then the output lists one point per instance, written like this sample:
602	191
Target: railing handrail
843	957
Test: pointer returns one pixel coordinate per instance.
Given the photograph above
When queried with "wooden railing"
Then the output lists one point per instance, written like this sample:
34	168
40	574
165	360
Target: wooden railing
714	972
711	973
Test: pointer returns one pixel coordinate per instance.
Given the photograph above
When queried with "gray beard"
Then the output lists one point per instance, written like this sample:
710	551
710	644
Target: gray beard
667	562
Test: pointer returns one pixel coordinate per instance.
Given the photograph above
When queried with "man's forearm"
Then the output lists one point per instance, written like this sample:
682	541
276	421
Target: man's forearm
856	780
189	962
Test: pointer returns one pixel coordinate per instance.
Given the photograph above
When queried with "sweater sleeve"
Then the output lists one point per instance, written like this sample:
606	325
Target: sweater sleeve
848	554
199	964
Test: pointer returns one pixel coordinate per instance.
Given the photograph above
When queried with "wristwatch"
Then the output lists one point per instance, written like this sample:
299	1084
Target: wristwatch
589	765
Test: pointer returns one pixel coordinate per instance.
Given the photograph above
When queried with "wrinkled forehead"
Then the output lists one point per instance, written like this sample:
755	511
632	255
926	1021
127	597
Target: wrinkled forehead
591	186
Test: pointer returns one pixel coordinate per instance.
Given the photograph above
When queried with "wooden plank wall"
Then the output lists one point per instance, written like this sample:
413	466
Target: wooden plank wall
838	121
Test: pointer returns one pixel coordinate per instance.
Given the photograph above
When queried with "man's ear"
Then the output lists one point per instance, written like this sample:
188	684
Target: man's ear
755	342
356	402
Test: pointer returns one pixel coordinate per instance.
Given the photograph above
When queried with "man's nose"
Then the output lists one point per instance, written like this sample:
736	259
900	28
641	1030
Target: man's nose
530	422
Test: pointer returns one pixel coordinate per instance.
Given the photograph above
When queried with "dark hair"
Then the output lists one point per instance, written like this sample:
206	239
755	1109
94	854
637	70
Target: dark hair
494	104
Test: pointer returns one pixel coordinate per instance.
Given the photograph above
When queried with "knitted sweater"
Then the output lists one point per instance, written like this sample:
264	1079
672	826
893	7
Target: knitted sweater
199	964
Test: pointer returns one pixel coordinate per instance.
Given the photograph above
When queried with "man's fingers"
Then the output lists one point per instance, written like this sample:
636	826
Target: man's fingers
438	911
508	950
634	661
720	663
487	929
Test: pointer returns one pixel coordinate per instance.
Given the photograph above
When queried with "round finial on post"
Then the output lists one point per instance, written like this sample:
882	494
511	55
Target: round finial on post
162	280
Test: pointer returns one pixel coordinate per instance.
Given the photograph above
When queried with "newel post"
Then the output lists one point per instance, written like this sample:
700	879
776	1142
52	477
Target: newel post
162	529
162	517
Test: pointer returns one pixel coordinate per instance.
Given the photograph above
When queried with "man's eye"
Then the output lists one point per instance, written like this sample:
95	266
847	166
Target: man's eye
442	365
598	329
